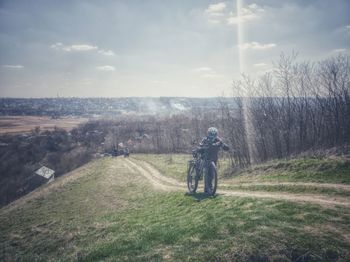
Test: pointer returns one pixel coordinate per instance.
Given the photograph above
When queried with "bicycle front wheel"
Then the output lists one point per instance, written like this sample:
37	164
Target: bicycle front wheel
192	178
211	179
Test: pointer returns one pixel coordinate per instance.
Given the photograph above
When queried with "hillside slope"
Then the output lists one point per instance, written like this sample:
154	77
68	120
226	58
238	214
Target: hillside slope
117	209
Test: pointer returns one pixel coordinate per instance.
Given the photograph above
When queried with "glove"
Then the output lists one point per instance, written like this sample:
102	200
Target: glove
225	147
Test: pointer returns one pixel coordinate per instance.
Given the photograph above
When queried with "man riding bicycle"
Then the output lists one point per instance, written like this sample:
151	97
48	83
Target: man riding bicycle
208	151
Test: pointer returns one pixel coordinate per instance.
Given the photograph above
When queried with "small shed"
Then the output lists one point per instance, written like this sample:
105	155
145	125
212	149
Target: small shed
46	173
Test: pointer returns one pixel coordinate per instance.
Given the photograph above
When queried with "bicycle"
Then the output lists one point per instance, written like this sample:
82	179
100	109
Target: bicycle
201	166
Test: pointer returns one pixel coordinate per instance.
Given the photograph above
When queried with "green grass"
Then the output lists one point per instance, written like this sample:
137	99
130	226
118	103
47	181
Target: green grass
322	170
180	227
113	213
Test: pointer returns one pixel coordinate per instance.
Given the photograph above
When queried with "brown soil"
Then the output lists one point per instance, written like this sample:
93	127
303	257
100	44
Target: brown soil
319	185
24	124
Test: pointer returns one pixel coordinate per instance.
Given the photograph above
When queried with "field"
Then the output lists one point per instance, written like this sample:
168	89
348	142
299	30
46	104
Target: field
137	209
23	124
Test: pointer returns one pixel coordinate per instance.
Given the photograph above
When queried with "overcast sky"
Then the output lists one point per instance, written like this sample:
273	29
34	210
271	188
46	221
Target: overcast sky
114	48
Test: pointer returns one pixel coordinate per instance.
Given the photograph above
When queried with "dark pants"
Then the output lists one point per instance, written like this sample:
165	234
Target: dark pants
209	180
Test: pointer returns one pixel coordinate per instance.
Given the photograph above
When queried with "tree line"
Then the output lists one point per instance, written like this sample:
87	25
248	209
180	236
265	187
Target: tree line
298	106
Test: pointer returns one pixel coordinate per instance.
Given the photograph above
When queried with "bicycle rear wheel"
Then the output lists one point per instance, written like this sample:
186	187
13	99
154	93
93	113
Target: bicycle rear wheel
192	178
211	179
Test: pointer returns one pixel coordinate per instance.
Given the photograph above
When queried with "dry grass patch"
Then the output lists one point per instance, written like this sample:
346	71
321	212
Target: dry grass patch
25	124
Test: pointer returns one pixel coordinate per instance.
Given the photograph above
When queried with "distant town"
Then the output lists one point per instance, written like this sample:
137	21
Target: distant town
87	107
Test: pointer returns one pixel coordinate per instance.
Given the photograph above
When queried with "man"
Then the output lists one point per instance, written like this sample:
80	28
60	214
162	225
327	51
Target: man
211	144
126	152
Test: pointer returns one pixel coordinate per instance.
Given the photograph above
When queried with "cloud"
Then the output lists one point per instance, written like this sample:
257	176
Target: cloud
339	50
347	29
248	13
216	9
105	68
203	69
211	75
256	46
206	72
75	47
13	66
106	52
81	48
215	13
260	64
57	46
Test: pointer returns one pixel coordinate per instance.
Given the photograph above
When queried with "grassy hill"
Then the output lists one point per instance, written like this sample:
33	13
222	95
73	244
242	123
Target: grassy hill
109	210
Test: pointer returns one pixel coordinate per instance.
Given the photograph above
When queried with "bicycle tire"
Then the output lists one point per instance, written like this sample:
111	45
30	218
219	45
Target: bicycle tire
192	178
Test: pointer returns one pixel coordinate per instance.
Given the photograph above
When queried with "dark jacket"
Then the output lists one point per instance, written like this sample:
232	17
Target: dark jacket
212	148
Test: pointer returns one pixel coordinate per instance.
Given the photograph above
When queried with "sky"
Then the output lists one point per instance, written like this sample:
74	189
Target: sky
115	48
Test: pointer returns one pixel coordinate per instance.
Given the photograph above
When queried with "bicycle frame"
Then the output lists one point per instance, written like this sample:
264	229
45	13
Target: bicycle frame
200	162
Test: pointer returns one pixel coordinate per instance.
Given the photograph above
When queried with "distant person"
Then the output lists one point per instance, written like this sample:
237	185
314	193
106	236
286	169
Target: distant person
126	152
114	151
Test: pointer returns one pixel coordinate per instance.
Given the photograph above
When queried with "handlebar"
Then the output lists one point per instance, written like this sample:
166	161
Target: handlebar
205	148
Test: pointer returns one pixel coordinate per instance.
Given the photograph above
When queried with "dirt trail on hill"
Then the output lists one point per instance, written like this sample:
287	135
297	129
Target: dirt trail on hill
305	184
162	182
158	180
311	198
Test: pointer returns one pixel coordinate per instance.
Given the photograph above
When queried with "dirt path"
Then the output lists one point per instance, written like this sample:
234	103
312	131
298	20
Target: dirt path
162	182
154	177
305	184
310	198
